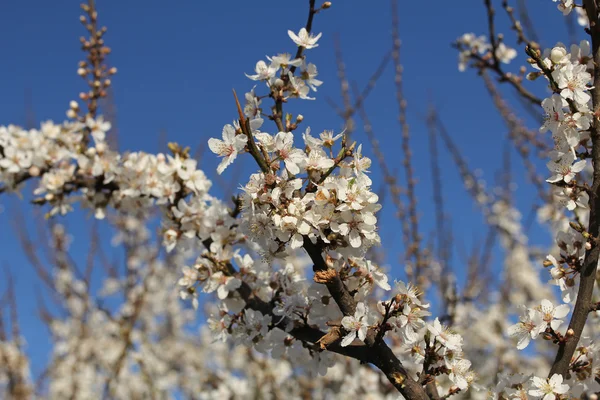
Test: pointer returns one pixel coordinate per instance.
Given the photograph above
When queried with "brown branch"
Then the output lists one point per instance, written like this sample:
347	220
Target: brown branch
516	24
442	235
344	88
12	306
96	72
109	109
389	176
276	95
503	76
483	62
414	249
376	352
361	97
436	181
584	303
528	27
491	30
520	136
16	385
92	252
31	250
473	186
126	333
247	130
478	279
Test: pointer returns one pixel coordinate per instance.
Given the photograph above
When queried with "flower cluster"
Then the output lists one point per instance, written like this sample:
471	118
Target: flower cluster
281	210
279	75
101	177
568	115
535	321
317	196
444	349
565	6
568	118
311	194
14	370
130	352
478	48
519	386
565	270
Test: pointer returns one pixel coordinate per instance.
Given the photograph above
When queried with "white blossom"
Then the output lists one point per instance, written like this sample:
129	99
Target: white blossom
304	39
530	325
356	326
229	147
547	389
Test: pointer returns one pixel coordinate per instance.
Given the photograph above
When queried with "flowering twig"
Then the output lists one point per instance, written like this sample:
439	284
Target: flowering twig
252	148
93	70
588	270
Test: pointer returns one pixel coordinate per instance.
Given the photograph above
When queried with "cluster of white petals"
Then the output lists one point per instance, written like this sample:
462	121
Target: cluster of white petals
565	6
286	271
535	321
477	47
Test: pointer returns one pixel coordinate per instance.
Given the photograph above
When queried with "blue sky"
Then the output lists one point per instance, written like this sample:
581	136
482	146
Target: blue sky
178	61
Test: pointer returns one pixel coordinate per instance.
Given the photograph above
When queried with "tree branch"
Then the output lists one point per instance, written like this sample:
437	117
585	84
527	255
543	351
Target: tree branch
584	303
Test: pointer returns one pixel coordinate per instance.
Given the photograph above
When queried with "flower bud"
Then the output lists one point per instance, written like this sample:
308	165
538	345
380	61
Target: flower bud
576	226
34	171
270	179
588	246
326	5
71	114
557	54
73	104
81	71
